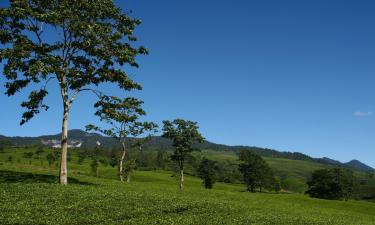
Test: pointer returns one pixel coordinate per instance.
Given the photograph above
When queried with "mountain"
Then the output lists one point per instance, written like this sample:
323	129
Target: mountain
358	165
89	140
329	161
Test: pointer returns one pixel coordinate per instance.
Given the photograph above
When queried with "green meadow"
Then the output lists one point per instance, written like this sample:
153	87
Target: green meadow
30	194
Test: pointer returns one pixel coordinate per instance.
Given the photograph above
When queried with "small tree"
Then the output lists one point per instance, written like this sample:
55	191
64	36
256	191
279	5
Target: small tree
128	167
183	135
39	151
51	159
255	171
160	159
207	171
92	39
95	154
336	183
122	115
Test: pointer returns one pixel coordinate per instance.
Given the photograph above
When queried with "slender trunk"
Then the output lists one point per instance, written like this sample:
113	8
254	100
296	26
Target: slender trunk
122	161
64	148
128	178
181	183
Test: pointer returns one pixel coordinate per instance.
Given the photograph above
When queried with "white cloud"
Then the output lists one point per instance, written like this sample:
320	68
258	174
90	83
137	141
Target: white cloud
362	114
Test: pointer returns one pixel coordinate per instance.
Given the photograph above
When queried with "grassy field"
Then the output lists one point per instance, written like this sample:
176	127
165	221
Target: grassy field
29	194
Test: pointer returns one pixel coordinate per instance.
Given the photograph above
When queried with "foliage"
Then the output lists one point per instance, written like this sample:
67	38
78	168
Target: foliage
122	115
4	143
95	154
39	151
255	171
93	38
207	172
160	159
336	183
183	135
28	155
51	158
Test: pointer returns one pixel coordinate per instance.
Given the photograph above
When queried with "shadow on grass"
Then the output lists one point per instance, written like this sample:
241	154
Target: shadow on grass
23	177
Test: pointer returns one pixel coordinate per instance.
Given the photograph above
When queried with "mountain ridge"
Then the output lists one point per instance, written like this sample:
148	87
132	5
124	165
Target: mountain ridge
92	139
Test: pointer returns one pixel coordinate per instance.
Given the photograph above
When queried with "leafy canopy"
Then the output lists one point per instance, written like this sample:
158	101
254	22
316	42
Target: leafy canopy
255	170
336	183
122	116
87	42
184	134
207	172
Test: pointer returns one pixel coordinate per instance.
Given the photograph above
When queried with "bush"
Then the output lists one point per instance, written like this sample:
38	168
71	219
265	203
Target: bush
28	155
336	183
207	172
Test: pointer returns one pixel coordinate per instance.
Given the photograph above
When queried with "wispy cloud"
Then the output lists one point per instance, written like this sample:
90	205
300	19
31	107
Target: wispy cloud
362	114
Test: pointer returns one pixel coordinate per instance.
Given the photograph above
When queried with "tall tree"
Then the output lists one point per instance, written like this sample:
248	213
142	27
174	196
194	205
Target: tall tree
122	116
91	39
183	135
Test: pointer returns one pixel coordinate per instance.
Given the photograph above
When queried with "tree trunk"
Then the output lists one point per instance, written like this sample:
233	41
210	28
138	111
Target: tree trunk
64	148
121	169
181	182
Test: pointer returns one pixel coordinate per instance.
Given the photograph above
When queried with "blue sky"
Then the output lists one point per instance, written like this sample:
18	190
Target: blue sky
289	75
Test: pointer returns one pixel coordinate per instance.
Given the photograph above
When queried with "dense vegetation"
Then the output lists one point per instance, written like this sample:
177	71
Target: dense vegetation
336	183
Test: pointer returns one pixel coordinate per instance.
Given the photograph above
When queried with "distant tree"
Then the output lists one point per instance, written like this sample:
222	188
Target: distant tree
267	178
207	172
39	151
82	155
95	155
122	116
51	158
183	135
160	159
4	144
113	157
92	39
254	169
94	166
10	159
128	167
277	184
28	155
336	183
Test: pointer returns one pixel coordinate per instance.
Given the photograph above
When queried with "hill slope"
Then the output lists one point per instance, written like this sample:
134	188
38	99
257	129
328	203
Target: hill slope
91	140
30	195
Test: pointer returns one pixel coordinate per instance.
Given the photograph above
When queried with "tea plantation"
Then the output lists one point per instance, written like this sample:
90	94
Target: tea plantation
29	194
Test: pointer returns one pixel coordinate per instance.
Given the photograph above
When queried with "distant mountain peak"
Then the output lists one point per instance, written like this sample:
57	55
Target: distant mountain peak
359	165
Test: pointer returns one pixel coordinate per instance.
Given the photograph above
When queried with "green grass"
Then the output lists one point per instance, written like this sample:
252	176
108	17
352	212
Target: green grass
29	194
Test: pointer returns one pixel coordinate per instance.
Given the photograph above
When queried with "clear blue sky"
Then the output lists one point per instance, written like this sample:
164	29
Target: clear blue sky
289	75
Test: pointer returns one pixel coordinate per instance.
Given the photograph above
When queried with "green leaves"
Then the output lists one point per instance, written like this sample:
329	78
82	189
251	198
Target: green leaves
93	38
33	105
122	116
183	134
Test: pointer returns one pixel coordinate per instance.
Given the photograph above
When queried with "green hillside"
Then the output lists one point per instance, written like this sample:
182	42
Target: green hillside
293	173
30	195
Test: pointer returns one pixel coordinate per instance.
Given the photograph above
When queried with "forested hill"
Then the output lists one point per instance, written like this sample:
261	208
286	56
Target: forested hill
92	139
